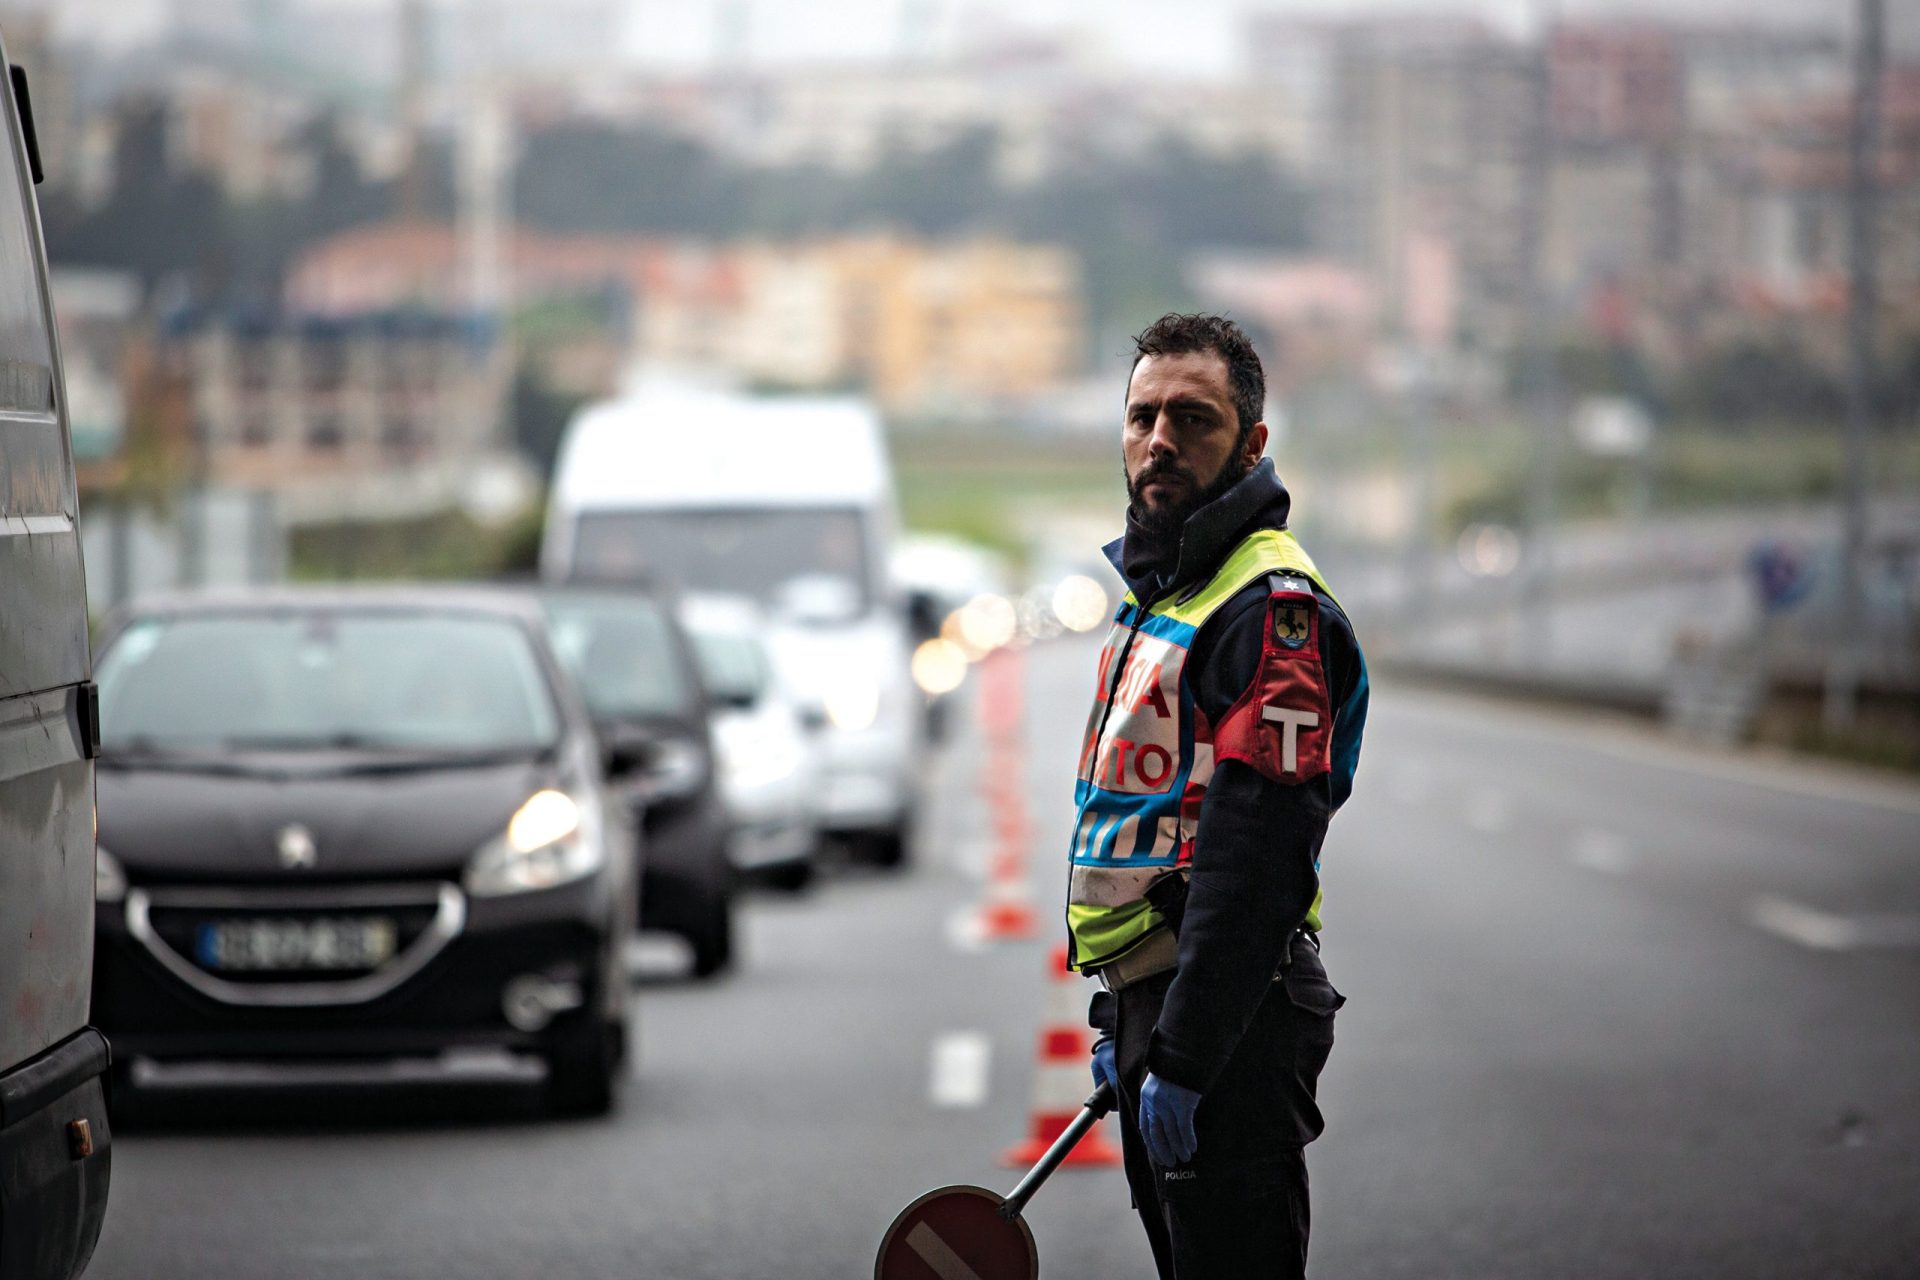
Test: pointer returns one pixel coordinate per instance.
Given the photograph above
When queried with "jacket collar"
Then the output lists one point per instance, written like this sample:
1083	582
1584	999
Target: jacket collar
1259	501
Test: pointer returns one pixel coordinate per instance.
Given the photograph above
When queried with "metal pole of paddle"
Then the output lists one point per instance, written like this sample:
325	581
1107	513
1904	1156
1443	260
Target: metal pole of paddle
1092	1111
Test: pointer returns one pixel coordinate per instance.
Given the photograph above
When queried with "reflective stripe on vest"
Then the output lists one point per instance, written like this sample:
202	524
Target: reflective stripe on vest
1147	754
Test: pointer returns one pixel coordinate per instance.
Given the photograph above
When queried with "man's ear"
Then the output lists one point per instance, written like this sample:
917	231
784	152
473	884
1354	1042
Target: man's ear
1255	445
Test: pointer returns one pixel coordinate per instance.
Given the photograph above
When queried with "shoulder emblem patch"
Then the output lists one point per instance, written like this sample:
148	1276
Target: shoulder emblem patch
1292	624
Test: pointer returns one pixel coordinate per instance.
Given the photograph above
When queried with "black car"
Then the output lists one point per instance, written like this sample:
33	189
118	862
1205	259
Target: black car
356	835
636	670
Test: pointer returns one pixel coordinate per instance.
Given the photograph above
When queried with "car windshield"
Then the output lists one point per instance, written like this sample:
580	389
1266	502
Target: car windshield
733	665
743	552
324	679
620	652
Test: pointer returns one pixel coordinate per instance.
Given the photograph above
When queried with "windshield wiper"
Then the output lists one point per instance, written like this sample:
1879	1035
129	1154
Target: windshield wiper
405	760
344	741
142	753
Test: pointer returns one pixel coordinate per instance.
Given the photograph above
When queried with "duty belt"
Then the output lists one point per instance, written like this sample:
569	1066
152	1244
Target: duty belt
1161	952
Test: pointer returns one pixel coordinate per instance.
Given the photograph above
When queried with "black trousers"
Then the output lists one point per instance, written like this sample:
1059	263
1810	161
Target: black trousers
1239	1209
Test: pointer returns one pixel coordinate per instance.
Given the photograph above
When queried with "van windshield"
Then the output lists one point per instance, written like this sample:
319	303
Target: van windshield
742	551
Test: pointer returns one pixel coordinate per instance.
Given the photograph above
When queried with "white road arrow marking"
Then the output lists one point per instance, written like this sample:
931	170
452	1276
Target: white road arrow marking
933	1251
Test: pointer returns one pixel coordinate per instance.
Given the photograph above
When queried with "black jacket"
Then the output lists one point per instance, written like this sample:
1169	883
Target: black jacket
1256	851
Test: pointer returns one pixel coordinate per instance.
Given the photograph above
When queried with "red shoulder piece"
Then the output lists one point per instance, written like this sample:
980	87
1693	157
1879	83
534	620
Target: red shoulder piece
1283	723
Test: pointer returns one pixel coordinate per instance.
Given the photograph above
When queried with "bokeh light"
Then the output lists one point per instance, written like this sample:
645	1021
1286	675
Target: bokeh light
1080	603
988	622
939	666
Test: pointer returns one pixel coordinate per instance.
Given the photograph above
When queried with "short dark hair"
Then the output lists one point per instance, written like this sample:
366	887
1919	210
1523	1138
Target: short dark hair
1175	334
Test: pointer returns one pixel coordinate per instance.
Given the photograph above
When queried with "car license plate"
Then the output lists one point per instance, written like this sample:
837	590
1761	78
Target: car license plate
326	942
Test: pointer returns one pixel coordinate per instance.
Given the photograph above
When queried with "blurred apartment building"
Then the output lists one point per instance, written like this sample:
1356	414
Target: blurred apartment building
375	415
202	435
97	313
1620	175
926	328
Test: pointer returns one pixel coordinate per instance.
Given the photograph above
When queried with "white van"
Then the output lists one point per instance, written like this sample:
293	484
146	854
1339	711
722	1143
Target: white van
787	500
56	1146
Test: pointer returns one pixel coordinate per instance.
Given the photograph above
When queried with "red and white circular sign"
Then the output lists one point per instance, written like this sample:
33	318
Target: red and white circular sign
957	1233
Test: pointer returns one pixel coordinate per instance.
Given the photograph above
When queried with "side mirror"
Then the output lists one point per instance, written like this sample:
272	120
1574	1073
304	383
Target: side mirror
624	754
737	698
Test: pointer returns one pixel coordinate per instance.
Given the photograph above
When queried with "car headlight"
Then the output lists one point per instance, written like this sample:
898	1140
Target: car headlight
550	840
760	758
852	701
109	880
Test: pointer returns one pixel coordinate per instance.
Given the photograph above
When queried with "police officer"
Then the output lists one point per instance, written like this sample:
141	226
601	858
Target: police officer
1228	710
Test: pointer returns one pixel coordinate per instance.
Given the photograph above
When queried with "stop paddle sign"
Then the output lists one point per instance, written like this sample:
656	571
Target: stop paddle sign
957	1233
969	1233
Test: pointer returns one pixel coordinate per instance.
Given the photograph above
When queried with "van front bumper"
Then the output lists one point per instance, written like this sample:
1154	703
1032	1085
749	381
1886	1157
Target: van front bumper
57	1150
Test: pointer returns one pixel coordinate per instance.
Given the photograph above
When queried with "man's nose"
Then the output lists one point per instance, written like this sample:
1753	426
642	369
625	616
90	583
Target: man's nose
1162	444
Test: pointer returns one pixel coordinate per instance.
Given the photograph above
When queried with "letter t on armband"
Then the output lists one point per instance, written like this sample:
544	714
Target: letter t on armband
1291	722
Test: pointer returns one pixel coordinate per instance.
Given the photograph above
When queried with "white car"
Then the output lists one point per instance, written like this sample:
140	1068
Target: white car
771	763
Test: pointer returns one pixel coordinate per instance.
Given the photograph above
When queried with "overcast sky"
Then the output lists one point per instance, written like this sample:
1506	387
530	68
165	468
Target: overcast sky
1187	37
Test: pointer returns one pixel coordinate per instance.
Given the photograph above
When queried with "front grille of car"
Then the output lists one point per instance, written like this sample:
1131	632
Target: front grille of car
412	921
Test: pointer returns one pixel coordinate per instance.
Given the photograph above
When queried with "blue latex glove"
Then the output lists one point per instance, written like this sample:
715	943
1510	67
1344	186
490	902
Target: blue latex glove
1105	1070
1166	1121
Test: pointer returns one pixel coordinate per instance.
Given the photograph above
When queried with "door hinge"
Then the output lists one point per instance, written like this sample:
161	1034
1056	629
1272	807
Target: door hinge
27	134
89	709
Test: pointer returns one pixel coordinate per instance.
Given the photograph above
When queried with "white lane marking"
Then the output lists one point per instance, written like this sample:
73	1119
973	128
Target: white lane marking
1488	811
959	1075
933	1251
1643	744
1602	851
1820	930
657	955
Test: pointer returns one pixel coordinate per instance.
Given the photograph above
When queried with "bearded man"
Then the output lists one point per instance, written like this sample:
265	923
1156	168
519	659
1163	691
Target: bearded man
1228	710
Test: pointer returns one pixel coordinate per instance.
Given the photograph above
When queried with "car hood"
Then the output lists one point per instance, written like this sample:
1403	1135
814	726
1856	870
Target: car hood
166	825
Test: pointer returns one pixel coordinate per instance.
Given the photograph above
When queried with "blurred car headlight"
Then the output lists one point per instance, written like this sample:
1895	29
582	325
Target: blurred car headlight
761	758
987	622
109	880
550	840
852	701
939	666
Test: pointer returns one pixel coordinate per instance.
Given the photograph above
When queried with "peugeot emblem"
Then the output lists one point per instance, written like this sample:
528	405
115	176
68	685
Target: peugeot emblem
297	852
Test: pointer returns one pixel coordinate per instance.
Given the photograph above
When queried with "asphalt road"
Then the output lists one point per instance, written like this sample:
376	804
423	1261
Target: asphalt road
1616	1008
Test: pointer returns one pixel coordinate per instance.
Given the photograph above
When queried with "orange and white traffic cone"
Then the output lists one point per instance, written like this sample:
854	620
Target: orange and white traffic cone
1064	1076
1007	913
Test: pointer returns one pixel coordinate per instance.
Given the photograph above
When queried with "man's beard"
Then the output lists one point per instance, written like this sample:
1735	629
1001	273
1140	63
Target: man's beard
1162	524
